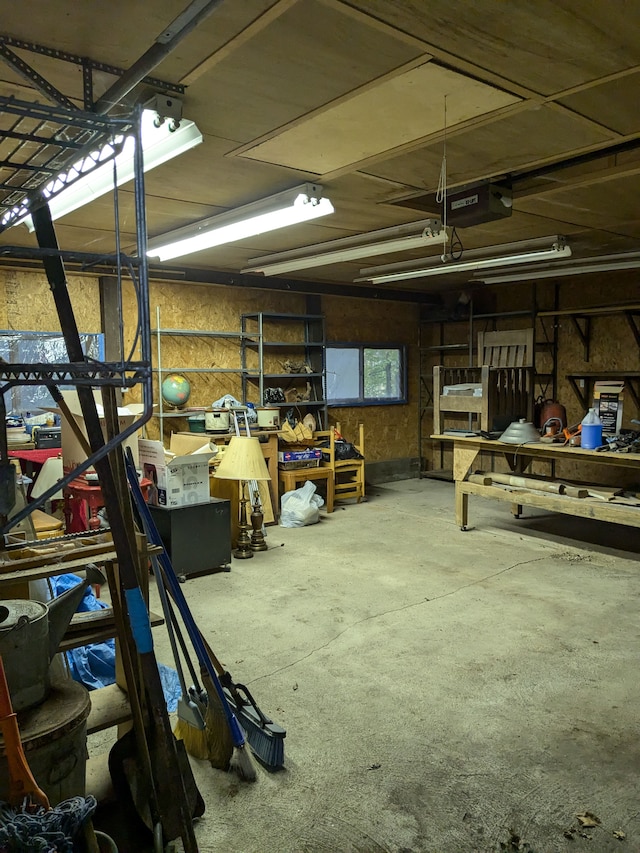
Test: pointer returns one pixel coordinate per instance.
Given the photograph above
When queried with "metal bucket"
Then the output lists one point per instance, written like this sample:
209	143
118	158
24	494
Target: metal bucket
24	646
218	420
54	739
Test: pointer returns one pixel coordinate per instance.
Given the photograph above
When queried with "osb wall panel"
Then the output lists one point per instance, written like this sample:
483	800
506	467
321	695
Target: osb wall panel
209	308
26	302
390	432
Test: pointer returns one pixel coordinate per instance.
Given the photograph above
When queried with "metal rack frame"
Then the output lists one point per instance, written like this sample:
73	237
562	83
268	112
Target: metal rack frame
47	140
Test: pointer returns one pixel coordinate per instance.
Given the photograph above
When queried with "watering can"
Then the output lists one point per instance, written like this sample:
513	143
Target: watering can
30	633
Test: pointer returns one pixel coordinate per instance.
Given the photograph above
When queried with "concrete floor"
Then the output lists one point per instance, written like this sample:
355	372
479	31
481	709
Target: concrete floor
443	692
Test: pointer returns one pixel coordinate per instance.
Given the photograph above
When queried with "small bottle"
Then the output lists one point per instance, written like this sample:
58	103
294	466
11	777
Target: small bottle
591	431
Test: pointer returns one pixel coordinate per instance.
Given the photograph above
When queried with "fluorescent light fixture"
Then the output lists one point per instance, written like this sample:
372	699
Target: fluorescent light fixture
290	207
444	265
606	263
400	238
159	144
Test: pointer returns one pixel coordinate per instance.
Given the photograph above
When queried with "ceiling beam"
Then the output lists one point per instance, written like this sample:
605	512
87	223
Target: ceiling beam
165	43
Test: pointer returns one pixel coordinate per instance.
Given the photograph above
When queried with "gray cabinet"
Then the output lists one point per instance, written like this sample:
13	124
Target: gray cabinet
197	537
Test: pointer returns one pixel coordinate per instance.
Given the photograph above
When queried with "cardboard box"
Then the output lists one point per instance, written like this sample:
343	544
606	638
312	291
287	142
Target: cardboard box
183	445
608	397
299	455
176	480
72	451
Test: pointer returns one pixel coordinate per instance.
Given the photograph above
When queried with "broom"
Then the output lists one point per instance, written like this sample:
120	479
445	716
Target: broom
265	737
241	761
201	724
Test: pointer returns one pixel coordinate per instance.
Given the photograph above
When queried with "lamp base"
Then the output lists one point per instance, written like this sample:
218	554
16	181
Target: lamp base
258	542
243	551
241	554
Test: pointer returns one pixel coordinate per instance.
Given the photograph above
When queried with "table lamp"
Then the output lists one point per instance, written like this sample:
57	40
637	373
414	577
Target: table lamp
243	461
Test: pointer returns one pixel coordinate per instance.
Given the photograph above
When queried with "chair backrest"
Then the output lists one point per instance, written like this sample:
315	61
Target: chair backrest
511	348
327	436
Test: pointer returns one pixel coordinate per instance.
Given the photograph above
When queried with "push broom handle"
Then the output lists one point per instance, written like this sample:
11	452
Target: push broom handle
178	596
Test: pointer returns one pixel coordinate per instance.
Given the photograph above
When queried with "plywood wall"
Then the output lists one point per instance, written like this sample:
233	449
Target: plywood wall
391	431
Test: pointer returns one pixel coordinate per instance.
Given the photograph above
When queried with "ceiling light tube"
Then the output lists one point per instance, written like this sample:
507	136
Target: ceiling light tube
159	144
377	275
385	241
577	269
290	207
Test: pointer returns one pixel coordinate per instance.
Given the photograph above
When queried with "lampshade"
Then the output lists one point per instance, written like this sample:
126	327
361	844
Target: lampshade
49	474
243	460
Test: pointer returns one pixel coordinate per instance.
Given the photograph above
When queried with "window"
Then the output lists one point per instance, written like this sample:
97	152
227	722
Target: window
366	374
39	347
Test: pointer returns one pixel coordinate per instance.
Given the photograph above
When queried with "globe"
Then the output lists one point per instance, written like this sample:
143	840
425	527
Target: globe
176	390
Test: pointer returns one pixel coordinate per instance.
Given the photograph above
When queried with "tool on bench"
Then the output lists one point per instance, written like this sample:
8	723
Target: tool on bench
572	435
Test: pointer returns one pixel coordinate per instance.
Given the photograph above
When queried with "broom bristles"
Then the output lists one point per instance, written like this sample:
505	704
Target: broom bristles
219	743
195	740
242	763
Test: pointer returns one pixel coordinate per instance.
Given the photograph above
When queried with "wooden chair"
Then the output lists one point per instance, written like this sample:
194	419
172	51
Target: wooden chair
348	474
504	375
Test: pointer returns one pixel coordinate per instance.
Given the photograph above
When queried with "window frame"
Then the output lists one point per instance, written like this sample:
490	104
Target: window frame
361	400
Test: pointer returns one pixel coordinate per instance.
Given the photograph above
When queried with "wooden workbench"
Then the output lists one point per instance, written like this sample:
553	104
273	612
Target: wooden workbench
467	449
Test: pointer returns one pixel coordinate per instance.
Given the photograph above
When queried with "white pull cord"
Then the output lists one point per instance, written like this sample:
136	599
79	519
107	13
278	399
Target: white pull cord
441	192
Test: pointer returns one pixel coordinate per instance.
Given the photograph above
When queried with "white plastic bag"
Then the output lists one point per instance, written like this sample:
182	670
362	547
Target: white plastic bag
300	507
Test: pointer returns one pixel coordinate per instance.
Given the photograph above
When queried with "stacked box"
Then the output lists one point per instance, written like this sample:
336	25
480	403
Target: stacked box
291	459
607	401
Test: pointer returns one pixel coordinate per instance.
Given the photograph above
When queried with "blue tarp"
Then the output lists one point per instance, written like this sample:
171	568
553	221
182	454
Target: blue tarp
94	665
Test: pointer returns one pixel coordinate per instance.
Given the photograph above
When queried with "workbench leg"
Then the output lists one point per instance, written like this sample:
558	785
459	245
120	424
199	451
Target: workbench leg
462	507
516	510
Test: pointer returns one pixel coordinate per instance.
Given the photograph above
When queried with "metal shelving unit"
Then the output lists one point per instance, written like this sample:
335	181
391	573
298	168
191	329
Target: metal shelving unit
264	340
160	370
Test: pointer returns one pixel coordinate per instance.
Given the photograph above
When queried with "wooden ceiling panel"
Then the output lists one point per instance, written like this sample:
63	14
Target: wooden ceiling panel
544	47
493	149
119	32
396	111
303	60
612	204
284	76
614	104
